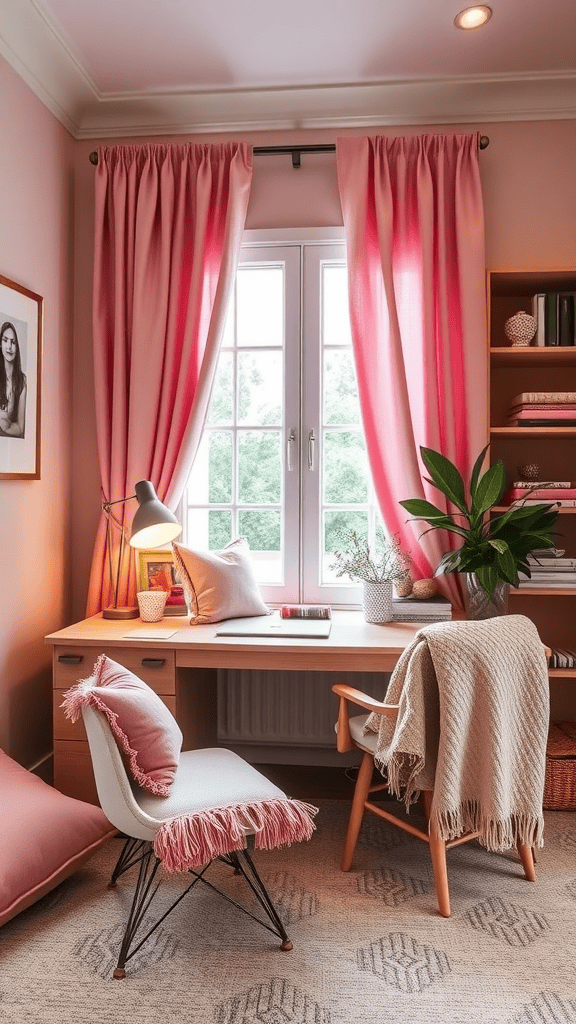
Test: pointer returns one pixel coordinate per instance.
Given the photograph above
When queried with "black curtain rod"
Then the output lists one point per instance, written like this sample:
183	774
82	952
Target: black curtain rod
296	151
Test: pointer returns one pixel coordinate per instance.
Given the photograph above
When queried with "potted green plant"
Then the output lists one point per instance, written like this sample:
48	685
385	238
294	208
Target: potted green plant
377	570
494	549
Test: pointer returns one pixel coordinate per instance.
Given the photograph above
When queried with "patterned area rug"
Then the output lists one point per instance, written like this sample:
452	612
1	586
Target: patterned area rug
369	947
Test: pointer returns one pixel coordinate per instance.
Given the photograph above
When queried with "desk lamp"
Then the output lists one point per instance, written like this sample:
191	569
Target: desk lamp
153	525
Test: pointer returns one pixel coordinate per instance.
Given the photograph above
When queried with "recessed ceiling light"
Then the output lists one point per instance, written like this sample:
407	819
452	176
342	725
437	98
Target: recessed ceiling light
473	17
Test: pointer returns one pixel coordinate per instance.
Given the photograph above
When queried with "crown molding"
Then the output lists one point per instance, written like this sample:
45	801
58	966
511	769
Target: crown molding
32	44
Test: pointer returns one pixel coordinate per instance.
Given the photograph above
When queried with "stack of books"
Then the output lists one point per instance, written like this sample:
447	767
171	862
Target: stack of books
562	658
555	318
561	492
543	409
410	609
550	569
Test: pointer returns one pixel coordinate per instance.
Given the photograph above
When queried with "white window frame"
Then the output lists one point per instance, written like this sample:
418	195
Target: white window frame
260	245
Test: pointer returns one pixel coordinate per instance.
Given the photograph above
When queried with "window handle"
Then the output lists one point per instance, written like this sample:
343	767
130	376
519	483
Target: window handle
289	444
311	443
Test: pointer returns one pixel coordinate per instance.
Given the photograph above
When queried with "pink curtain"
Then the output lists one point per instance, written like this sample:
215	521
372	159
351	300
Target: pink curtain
415	241
168	228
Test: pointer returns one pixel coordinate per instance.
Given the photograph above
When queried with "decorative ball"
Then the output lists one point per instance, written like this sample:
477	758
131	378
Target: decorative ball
403	588
529	470
424	589
520	328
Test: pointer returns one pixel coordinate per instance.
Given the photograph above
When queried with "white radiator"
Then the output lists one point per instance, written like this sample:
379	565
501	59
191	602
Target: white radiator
285	708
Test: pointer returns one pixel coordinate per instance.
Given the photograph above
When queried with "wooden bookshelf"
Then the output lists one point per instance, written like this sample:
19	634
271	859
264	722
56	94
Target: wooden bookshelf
512	370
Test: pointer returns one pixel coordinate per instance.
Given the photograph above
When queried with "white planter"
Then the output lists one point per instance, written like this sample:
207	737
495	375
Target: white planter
377	602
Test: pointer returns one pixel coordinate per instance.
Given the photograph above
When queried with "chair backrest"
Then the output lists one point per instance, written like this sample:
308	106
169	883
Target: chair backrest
114	790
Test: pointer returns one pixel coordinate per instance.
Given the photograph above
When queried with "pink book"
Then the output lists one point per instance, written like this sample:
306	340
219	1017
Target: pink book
551	493
544	414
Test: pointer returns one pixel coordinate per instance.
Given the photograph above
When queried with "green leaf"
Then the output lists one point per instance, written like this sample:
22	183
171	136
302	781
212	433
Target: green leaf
423	509
476	472
445	476
488	577
449	562
489	489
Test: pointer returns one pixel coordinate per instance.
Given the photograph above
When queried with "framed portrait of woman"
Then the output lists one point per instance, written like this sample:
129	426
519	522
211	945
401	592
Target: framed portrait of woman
20	381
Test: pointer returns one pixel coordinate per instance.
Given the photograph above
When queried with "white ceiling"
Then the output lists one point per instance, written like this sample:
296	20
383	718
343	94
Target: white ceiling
127	67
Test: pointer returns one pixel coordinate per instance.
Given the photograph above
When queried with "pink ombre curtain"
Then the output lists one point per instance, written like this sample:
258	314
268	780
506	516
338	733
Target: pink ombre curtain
168	228
415	242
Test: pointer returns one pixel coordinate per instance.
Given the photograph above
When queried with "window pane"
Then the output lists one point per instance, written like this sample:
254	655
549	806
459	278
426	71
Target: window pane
260	306
228	335
345	468
335	314
263	531
340	391
334	523
259	467
219	529
197	490
220	468
221	400
260	388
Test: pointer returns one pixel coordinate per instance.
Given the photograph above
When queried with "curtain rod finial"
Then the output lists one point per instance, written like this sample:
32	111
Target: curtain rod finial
484	142
93	158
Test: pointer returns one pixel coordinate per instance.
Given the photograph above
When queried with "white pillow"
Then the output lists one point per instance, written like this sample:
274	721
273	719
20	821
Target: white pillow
219	584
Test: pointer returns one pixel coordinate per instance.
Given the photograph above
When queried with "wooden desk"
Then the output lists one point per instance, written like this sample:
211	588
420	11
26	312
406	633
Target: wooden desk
182	670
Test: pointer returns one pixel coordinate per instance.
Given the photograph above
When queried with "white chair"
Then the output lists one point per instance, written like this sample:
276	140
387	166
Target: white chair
208	778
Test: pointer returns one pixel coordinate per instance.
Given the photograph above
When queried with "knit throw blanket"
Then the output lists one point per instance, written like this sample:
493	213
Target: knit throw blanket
472	726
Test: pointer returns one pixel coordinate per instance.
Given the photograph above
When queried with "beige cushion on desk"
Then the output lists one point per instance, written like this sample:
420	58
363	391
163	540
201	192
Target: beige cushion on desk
219	584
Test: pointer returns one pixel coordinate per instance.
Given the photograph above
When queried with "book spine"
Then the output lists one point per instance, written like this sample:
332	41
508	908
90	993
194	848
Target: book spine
538	314
551	316
566	319
524	485
542	492
569	503
548	413
529	406
547	397
513	422
305	611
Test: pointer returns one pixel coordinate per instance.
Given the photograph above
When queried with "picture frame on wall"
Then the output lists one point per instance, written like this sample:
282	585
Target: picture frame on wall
156	571
21	312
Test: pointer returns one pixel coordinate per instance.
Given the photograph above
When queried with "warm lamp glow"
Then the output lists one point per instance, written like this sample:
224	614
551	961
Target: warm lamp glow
153	524
473	17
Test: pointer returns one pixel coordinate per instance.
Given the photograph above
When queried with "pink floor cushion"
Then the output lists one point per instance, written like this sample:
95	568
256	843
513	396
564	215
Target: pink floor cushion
44	837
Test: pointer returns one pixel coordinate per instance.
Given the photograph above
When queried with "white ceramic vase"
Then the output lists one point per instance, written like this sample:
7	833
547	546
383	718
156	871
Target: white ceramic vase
377	602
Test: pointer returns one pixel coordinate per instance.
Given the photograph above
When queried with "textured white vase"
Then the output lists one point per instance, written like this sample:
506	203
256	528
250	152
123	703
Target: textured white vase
520	328
377	602
151	604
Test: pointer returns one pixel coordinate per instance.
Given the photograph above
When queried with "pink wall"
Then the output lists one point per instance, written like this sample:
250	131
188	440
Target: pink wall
36	168
530	204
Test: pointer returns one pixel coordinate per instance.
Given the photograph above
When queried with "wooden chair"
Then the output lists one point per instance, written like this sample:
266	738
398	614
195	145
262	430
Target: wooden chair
349	736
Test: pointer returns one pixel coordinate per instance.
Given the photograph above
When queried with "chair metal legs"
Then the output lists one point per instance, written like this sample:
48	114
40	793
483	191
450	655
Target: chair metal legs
142	853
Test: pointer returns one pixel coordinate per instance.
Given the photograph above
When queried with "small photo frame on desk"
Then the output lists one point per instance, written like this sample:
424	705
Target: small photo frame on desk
20	381
156	571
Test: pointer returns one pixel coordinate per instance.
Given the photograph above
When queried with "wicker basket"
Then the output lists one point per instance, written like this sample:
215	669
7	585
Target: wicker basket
560	781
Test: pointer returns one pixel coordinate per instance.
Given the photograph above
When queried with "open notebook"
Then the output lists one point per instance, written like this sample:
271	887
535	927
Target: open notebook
274	626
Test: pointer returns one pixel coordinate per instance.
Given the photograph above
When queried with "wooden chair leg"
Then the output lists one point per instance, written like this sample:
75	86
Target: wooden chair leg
438	857
527	858
357	810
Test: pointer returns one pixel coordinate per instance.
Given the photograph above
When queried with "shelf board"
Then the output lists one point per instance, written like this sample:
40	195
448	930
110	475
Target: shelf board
545	591
562	673
564	355
558	432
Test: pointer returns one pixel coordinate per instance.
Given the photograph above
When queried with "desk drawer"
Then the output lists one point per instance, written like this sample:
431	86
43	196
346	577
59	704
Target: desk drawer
153	665
64	729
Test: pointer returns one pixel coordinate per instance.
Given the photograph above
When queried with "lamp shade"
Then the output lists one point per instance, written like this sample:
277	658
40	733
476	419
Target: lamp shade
153	524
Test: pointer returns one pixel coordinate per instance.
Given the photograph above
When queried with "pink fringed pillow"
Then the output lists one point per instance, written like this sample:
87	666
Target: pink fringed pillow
147	734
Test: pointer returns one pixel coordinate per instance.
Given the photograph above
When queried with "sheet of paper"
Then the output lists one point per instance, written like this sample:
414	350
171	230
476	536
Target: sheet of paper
149	634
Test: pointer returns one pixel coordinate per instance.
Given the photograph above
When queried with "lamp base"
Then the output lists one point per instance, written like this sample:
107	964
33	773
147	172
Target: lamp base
120	613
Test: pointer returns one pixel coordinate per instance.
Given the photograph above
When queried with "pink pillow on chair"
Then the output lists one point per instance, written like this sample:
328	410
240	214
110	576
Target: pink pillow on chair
146	732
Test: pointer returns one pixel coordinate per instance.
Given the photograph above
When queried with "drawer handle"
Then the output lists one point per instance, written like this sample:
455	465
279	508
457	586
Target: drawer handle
153	662
70	659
